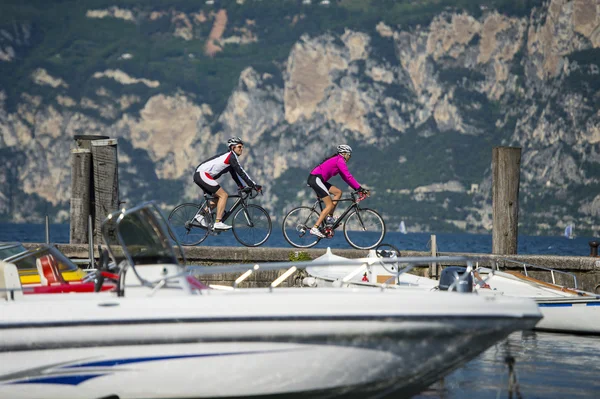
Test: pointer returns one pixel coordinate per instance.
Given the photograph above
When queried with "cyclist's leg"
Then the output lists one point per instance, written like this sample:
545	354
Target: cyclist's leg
321	188
208	185
221	202
326	210
337	194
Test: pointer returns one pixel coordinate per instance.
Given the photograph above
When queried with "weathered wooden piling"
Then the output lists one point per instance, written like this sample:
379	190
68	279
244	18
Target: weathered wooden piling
506	164
594	248
106	182
82	187
81	172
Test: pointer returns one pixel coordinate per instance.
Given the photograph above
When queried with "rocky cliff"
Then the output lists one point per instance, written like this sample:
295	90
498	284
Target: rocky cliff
422	104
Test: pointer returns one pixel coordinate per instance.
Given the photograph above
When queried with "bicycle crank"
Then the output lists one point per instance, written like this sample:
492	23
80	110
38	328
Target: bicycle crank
329	232
301	230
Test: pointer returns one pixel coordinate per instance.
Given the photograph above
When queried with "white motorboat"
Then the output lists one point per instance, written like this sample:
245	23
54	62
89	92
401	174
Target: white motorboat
330	270
162	335
564	309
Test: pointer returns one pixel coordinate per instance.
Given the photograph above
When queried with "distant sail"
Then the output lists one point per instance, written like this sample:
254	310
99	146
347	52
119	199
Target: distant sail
569	232
402	227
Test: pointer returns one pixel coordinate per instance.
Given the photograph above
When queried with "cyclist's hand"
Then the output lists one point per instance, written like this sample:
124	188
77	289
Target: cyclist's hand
258	188
362	193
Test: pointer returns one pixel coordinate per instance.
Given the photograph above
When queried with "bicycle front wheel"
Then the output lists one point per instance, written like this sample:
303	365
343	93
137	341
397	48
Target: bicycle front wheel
364	229
251	225
184	229
296	226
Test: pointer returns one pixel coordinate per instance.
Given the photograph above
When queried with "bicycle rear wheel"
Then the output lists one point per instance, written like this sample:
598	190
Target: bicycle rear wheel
364	229
251	225
184	229
296	226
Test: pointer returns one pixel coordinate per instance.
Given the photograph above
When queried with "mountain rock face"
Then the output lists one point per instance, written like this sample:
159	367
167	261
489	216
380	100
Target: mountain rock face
422	106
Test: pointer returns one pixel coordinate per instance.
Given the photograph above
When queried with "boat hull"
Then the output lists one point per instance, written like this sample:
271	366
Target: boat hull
564	310
337	365
379	343
570	315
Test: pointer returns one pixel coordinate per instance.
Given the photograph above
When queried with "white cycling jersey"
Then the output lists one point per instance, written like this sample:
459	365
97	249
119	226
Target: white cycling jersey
216	166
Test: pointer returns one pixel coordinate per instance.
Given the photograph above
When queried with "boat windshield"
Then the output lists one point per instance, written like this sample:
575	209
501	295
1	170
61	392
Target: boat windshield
26	263
8	249
142	235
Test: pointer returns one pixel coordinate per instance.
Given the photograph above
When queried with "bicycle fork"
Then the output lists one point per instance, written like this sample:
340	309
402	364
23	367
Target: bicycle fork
362	224
247	217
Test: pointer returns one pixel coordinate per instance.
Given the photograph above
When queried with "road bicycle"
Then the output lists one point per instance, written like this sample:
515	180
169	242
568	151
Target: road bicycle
251	224
363	228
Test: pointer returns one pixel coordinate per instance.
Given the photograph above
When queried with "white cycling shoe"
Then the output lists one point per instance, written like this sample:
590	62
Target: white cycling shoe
200	219
221	226
316	232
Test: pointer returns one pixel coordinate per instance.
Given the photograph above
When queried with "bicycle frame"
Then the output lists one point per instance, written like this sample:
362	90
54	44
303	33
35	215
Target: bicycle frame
353	206
241	199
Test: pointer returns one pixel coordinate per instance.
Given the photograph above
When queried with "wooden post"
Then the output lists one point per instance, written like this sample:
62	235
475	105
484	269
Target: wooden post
506	163
106	182
433	272
81	173
82	193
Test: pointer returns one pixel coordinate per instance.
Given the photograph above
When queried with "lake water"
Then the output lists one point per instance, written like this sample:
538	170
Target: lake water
446	242
546	365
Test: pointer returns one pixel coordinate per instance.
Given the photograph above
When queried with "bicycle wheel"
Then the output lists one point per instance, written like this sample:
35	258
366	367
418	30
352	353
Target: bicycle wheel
184	229
251	225
364	229
296	226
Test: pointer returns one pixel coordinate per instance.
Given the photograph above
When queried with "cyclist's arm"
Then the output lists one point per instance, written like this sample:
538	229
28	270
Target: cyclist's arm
237	168
346	175
236	178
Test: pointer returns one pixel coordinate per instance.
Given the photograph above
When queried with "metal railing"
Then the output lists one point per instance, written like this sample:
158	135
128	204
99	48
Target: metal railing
361	264
552	271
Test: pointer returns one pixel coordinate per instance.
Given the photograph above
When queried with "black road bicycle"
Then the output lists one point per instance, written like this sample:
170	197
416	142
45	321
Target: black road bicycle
251	224
363	227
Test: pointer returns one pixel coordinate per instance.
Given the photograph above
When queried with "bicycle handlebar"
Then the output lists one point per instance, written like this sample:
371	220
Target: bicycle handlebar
248	191
361	194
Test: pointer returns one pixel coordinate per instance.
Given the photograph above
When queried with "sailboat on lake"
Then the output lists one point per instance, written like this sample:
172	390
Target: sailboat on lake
569	232
402	227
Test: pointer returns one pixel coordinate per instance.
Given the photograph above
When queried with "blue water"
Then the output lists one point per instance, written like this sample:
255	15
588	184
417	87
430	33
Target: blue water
547	366
446	242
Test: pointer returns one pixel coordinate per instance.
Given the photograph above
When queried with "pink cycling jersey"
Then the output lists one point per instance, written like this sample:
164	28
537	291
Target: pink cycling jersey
334	166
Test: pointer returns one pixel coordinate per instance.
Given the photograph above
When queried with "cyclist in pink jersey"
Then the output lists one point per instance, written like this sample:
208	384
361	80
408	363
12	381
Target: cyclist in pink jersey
318	181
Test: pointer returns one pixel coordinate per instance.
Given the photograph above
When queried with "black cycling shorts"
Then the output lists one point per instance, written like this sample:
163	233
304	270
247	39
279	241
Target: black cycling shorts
316	183
208	184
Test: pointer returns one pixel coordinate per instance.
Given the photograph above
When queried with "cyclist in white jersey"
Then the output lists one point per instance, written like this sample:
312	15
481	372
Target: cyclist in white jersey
207	173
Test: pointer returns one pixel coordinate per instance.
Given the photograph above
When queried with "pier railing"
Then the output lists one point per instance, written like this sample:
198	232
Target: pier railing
585	268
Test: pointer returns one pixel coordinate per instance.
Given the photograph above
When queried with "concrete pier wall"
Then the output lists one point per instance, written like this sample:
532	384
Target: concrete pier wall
585	269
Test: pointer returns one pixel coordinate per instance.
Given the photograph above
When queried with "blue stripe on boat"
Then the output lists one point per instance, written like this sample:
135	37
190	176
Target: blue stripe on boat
117	362
554	305
59	379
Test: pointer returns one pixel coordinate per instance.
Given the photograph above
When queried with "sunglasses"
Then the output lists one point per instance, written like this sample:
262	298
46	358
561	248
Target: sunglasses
239	146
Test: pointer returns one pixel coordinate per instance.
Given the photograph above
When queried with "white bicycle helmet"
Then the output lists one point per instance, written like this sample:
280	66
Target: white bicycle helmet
343	148
234	141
